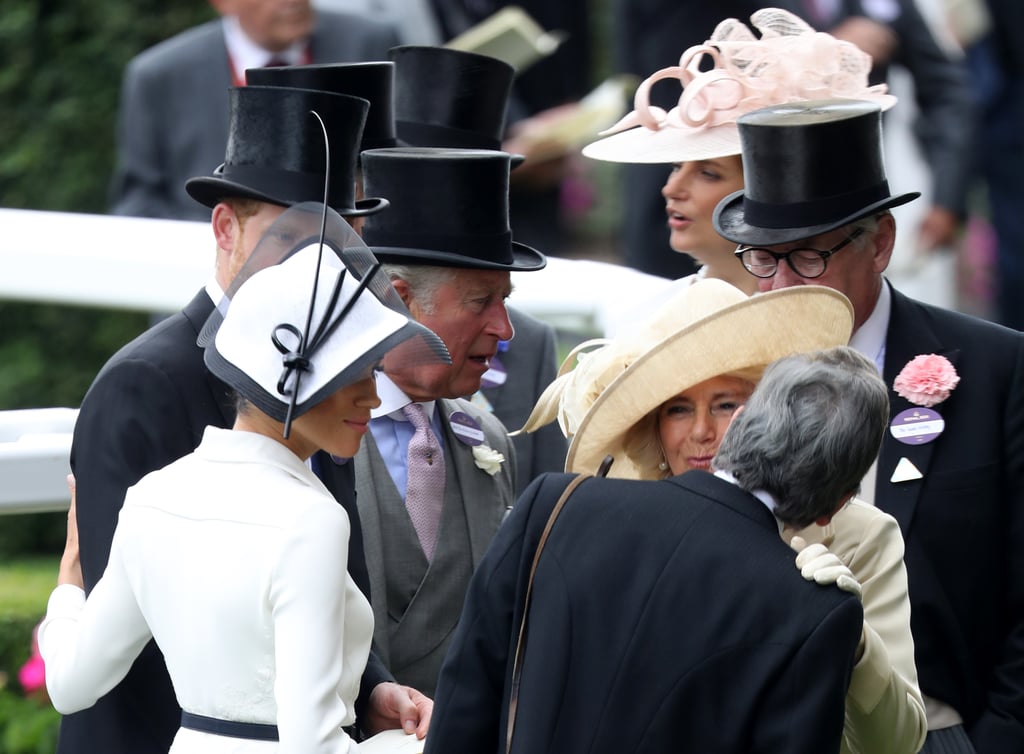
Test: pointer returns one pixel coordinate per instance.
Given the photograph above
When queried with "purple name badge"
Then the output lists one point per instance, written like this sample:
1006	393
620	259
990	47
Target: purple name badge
466	428
495	374
916	426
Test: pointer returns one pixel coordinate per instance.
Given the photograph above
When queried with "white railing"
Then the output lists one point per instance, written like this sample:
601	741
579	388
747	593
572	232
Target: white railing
34	448
157	266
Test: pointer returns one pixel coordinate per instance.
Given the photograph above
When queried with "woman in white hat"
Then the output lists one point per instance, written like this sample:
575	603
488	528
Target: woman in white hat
789	62
233	557
659	401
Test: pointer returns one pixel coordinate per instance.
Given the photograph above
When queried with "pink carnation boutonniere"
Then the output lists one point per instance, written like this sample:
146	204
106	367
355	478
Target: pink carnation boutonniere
926	380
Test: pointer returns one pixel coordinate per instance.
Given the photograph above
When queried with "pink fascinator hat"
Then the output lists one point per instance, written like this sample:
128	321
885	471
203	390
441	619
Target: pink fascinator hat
790	62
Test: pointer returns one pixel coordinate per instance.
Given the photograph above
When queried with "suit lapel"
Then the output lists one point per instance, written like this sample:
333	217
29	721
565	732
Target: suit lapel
910	334
476	487
367	501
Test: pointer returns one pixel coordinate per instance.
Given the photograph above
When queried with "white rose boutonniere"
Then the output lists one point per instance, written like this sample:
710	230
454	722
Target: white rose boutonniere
487	458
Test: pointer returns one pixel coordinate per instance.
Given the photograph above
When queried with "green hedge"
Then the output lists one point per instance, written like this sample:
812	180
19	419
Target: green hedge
28	725
60	75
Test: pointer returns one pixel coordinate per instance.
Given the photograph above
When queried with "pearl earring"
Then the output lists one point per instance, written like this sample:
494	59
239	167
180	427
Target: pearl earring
663	466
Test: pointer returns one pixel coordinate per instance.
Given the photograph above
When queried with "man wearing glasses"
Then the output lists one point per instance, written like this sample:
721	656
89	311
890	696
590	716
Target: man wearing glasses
815	210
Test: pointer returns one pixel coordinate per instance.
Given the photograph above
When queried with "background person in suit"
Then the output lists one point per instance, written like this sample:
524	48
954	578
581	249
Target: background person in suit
814	177
173	116
448	250
151	402
667	616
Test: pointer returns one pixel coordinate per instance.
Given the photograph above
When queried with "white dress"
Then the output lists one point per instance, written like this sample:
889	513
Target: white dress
233	559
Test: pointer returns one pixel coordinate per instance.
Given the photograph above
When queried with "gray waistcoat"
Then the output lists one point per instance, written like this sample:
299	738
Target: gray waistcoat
415	607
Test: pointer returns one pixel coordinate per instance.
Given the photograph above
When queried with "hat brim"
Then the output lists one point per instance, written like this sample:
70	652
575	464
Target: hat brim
525	258
210	191
750	333
731	224
666	145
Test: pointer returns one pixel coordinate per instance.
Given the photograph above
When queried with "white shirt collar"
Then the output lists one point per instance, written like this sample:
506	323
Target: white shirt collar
393	399
764	497
869	340
245	53
213	290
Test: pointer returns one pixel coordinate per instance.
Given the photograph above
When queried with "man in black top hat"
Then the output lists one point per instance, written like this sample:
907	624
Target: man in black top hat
150	403
451	98
815	210
447	247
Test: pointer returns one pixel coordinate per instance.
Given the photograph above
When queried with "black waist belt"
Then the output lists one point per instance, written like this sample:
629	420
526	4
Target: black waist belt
232	728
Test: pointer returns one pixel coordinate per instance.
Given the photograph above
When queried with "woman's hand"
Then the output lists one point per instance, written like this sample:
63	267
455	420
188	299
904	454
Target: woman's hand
820	565
70	565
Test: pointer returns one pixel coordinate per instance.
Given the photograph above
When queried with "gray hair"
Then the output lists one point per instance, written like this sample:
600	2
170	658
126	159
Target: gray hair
809	432
424	280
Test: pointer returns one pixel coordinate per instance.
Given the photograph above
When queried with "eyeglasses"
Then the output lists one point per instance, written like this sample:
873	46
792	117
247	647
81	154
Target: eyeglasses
805	262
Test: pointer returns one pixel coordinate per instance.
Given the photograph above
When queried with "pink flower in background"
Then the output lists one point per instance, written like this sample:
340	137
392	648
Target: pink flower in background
32	675
926	380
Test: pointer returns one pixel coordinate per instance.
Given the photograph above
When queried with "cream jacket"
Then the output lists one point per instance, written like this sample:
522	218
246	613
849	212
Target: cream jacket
884	709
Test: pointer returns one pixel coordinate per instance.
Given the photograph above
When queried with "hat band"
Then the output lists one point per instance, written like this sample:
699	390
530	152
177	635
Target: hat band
424	134
483	247
815	212
297	186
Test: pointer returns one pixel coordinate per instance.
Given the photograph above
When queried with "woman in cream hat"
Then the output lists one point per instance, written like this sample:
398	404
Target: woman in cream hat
659	402
789	62
233	558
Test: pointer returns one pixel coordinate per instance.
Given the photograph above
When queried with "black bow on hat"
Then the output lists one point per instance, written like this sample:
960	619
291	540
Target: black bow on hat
276	153
808	168
449	207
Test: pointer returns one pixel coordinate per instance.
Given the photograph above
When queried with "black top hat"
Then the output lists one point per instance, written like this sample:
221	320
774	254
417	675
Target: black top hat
275	151
808	168
450	98
449	207
371	81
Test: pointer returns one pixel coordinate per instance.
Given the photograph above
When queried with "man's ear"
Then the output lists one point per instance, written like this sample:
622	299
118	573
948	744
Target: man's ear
404	292
883	241
225	226
227	230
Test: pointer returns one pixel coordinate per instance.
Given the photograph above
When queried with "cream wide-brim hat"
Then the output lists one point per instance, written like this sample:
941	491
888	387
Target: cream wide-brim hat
719	330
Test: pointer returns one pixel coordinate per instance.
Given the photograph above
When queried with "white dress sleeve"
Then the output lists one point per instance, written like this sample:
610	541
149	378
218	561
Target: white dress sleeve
89	645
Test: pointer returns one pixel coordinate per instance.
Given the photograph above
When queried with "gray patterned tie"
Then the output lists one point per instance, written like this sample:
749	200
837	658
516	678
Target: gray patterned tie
424	494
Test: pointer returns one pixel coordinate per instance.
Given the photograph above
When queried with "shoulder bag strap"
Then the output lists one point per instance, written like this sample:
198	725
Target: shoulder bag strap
517	665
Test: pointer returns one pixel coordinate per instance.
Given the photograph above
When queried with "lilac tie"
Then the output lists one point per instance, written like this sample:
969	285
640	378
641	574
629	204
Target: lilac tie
424	494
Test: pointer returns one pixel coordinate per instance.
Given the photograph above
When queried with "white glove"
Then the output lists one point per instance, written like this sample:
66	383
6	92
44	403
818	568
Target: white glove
820	565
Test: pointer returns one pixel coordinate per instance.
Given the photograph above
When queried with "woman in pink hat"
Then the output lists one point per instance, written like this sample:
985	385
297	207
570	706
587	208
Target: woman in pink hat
789	62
